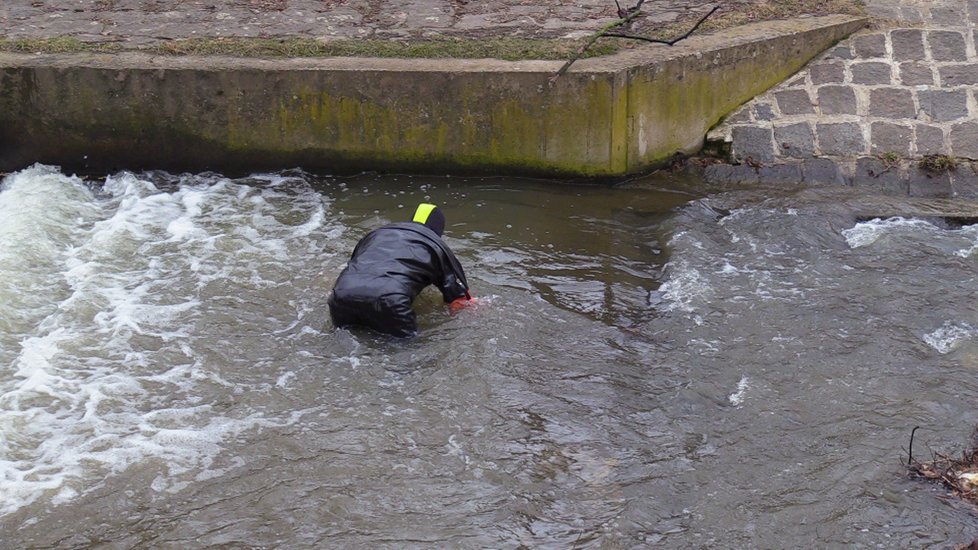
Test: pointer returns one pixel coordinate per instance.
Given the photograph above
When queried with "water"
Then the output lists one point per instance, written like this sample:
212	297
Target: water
648	367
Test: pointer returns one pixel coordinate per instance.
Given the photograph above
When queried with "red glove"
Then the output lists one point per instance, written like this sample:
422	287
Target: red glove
459	304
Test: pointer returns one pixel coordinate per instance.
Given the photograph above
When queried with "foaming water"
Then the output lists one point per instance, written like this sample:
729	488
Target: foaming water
838	336
44	215
114	288
646	368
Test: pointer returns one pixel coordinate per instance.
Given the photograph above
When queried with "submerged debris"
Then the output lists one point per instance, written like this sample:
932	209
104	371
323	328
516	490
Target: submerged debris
960	475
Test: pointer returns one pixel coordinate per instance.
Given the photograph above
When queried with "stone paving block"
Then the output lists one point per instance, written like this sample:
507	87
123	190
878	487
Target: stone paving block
837	100
913	73
740	117
795	82
868	46
871	72
958	75
948	16
828	73
753	142
891	103
764	110
929	140
908	44
794	102
964	140
419	14
795	140
789	174
972	9
964	181
730	173
841	139
887	137
887	12
819	171
922	183
897	186
947	46
842	51
910	14
942	105
872	173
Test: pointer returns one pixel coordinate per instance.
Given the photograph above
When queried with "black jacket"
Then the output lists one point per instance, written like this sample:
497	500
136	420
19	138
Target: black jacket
401	258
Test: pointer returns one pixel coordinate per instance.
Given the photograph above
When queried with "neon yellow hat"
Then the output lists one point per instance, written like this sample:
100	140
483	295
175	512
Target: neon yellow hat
431	216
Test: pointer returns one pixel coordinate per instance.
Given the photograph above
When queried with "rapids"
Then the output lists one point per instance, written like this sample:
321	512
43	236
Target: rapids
652	364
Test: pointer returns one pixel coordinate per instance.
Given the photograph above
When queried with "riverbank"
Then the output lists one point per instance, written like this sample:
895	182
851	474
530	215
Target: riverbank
633	110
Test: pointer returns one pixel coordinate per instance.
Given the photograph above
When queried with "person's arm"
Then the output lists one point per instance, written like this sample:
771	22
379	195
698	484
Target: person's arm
454	287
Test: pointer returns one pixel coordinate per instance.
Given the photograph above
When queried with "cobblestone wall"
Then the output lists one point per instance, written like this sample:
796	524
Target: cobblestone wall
874	105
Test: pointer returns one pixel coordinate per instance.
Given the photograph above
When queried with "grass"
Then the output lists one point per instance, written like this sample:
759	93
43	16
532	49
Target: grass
938	164
512	49
889	159
55	45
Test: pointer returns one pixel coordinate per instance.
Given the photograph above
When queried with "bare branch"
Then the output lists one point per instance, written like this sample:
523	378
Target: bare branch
626	17
633	13
910	458
660	41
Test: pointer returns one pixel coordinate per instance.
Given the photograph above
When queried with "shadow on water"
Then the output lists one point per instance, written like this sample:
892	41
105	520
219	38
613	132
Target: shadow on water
649	366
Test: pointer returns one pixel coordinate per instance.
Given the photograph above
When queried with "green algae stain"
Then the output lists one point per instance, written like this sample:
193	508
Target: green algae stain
552	134
673	105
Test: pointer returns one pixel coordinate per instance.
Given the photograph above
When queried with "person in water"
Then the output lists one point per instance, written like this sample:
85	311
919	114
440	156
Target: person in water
390	267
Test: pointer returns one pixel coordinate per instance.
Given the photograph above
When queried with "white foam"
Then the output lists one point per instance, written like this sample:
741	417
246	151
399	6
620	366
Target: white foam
950	336
109	373
867	233
684	289
42	215
737	398
970	233
727	269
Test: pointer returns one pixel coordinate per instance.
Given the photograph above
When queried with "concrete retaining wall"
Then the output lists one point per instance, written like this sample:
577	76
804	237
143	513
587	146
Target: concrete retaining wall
606	117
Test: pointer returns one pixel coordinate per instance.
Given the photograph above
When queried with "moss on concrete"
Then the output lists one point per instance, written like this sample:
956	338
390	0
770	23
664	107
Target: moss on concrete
525	124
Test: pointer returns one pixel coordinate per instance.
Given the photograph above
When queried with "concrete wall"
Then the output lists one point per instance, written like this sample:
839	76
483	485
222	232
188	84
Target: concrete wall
606	117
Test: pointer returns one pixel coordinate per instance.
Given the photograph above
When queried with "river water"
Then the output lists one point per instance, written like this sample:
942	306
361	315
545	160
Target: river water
650	365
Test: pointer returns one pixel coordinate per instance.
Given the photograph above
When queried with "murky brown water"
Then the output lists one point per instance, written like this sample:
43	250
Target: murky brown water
648	368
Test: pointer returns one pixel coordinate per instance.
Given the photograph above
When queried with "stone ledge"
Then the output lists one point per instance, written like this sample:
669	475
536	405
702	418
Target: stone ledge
895	178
